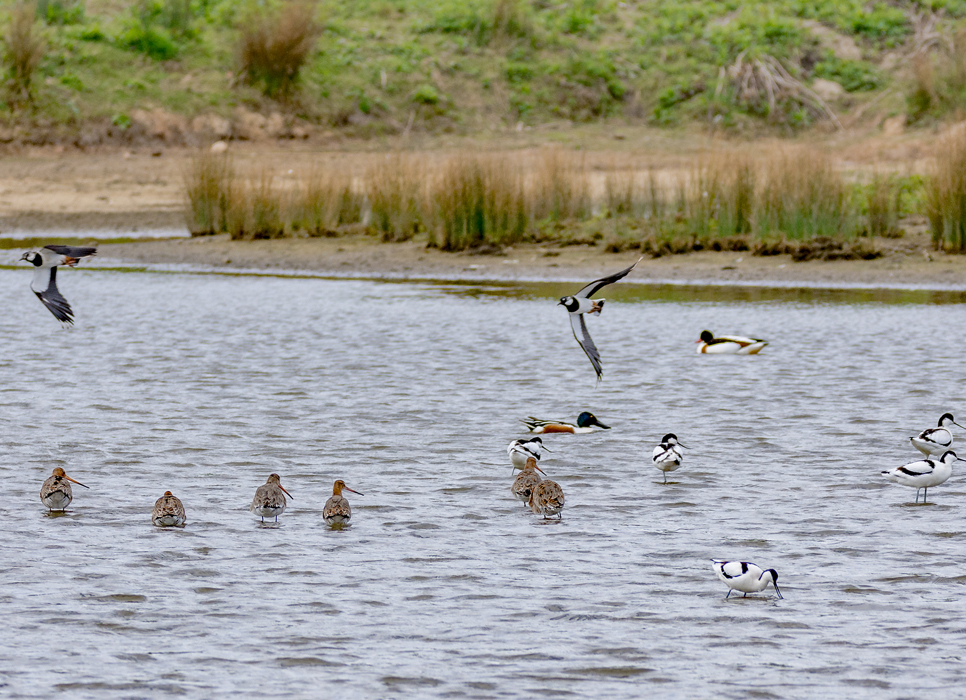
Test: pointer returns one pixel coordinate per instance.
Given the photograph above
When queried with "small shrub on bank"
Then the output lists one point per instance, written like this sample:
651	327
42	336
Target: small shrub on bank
23	50
274	45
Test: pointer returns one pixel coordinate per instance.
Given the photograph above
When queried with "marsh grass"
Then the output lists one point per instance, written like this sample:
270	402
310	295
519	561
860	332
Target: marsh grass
945	193
726	201
208	181
23	50
394	187
479	199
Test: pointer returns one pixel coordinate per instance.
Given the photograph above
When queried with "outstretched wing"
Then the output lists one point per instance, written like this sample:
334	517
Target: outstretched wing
586	342
71	251
44	285
597	285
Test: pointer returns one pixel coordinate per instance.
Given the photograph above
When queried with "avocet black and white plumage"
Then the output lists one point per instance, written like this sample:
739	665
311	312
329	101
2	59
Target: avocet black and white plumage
667	456
44	284
586	423
745	577
580	304
924	473
521	450
935	441
729	344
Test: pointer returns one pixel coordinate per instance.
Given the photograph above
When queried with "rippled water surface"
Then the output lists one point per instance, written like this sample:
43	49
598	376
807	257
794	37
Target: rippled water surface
444	586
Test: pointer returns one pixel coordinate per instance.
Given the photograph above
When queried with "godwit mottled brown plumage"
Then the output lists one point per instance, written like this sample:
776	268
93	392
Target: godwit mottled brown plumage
337	510
269	501
547	499
526	480
168	511
56	493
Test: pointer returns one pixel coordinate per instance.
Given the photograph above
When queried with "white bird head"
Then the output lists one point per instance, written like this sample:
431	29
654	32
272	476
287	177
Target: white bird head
950	456
32	257
948	418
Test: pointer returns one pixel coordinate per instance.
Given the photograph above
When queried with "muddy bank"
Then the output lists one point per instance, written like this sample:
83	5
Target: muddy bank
908	264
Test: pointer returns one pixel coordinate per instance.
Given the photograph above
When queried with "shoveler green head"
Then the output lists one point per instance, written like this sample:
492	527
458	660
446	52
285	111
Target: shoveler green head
587	419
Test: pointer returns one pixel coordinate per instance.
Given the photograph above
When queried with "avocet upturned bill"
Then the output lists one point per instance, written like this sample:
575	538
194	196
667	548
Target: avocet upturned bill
924	473
526	480
745	577
44	283
547	499
667	456
586	423
56	493
522	450
336	510
269	501
935	441
580	304
729	344
168	511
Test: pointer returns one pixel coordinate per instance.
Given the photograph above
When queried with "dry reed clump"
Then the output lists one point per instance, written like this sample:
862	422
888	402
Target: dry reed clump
883	206
721	198
802	196
24	48
945	200
325	200
394	188
479	200
560	187
256	208
274	44
208	182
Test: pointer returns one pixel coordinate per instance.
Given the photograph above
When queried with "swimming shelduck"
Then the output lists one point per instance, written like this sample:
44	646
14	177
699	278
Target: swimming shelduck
729	344
526	480
745	577
521	450
924	473
168	511
269	501
56	493
667	456
935	441
336	510
44	283
586	423
547	499
580	304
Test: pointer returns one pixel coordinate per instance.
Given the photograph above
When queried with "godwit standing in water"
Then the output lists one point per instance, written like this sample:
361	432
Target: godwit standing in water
586	423
168	511
526	480
935	441
269	501
547	499
729	344
337	510
924	473
745	577
667	456
56	493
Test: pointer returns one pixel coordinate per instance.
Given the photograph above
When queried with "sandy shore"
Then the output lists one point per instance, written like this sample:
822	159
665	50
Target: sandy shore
908	263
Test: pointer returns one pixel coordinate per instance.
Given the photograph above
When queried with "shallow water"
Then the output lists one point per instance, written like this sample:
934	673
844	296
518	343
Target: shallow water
444	586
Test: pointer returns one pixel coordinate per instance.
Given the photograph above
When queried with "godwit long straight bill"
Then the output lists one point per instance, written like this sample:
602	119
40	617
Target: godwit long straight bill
56	493
336	510
269	501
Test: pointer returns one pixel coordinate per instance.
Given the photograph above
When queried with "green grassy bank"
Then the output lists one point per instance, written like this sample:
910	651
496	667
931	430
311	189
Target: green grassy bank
114	69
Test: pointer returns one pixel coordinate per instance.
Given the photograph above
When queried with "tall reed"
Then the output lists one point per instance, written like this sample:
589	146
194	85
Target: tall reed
395	197
208	181
24	48
560	188
945	200
479	199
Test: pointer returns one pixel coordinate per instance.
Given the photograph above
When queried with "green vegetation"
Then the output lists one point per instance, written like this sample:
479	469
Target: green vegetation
376	66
